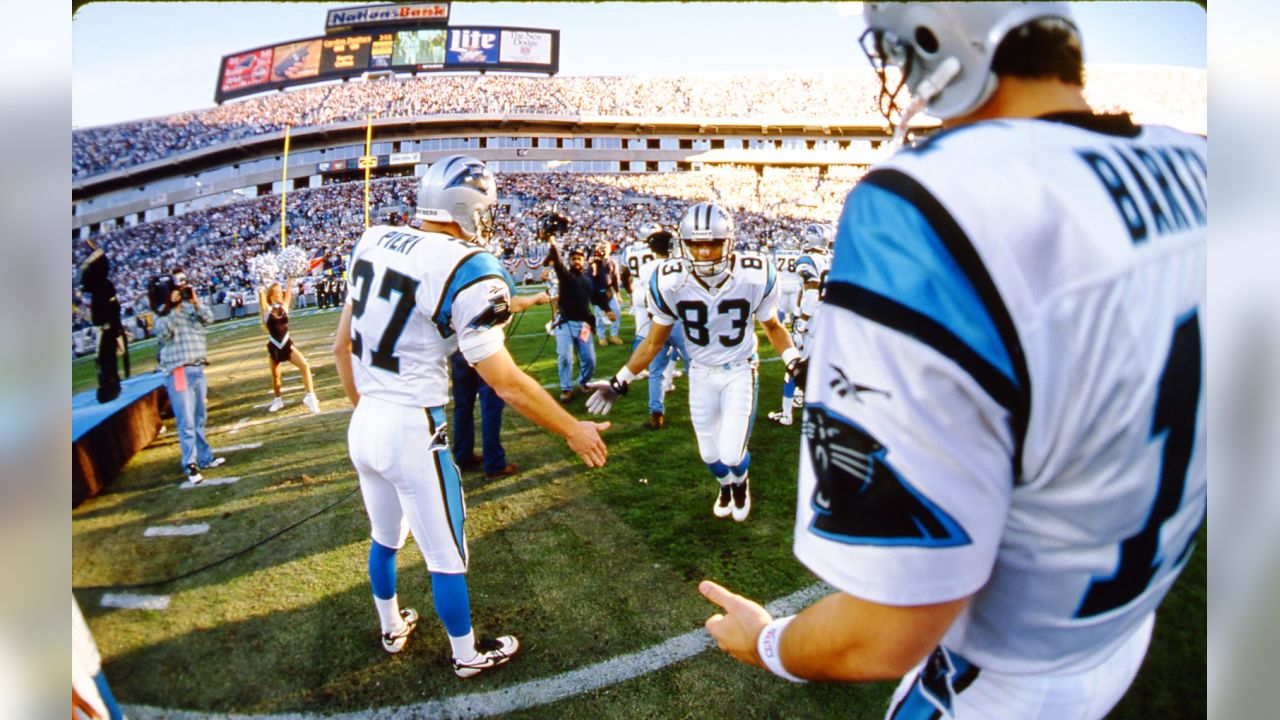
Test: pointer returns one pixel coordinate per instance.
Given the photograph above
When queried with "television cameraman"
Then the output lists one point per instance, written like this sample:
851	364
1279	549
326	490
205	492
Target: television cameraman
182	356
575	321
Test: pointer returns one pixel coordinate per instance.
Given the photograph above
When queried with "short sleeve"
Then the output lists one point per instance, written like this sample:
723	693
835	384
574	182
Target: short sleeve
658	307
768	306
480	311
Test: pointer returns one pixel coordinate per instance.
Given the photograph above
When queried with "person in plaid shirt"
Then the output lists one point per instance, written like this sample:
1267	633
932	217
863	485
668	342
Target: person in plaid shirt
183	355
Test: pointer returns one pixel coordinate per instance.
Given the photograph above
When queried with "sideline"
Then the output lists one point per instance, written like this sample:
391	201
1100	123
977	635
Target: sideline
527	694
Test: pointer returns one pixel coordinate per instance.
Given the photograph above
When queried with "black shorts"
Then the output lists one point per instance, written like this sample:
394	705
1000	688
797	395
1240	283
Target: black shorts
280	354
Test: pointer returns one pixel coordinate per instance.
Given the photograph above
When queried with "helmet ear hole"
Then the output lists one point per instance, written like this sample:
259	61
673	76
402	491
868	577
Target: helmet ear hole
926	41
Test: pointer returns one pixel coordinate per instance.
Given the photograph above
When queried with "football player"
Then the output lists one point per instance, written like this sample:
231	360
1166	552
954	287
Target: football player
1003	462
811	268
662	368
789	283
416	296
717	297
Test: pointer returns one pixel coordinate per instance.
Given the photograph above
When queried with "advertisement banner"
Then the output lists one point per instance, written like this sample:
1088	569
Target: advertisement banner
526	47
400	13
345	52
296	60
412	158
419	47
246	69
339	165
381	50
472	46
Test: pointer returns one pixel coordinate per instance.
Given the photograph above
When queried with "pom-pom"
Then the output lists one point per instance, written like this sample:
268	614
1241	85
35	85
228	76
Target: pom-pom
263	269
293	262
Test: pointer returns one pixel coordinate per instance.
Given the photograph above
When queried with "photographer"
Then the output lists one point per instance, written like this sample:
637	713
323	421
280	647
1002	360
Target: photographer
575	322
182	357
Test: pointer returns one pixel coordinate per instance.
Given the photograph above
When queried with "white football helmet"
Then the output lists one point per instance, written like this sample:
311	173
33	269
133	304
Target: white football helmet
459	189
707	223
945	49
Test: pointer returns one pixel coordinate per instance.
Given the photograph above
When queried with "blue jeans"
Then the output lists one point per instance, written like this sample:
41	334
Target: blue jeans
659	364
609	328
569	335
467	383
189	414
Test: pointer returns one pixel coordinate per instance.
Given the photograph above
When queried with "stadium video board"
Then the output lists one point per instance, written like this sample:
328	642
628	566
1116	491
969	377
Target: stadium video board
416	49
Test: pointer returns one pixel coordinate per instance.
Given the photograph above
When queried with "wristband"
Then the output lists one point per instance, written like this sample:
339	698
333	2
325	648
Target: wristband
624	375
769	646
789	354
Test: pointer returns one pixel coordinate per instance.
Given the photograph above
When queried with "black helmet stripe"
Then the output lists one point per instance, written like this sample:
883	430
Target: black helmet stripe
708	220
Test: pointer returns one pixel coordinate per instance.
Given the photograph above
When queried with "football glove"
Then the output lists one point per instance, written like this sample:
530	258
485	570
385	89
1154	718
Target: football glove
606	392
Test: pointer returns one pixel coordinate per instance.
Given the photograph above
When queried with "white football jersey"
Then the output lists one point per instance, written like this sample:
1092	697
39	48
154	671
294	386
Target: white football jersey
1005	396
416	297
718	321
640	304
784	260
634	256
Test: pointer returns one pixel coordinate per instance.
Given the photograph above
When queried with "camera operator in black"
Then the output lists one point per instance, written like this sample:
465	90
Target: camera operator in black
575	322
104	311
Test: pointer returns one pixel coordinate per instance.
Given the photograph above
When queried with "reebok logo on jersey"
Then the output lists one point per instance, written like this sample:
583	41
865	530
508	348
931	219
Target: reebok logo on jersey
859	498
843	386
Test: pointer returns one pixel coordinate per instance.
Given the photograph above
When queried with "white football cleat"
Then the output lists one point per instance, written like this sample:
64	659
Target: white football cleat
491	654
741	500
393	642
780	417
312	404
724	502
276	405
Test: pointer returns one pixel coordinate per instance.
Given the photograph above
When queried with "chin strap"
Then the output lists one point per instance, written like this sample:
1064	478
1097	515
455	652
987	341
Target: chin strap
928	88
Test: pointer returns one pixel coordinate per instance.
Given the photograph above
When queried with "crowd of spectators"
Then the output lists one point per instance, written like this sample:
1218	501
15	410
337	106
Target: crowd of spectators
214	245
1152	92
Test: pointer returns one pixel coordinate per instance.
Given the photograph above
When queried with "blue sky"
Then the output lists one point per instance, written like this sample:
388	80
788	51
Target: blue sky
137	60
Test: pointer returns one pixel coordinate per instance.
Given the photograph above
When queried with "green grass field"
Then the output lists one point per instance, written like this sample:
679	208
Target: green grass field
584	565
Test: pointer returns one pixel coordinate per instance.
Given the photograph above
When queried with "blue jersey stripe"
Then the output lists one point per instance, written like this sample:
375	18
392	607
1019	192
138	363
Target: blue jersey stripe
897	241
657	294
772	275
473	268
893	251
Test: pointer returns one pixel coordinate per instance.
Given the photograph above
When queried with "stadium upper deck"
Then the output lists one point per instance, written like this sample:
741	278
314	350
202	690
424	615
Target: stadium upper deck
1154	94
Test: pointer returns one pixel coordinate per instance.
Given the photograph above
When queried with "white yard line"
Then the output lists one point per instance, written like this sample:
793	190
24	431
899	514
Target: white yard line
176	530
233	448
527	694
187	485
129	601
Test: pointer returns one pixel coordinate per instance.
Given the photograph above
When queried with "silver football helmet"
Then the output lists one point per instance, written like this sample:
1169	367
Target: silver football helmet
945	49
814	236
702	224
459	189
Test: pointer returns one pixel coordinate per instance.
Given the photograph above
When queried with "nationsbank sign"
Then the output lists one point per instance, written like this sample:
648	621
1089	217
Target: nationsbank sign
398	13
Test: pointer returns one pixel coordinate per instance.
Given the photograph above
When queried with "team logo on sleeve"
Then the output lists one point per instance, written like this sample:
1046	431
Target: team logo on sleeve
859	498
497	312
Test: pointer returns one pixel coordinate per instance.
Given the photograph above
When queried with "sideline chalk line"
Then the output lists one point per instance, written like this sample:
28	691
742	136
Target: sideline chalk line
527	694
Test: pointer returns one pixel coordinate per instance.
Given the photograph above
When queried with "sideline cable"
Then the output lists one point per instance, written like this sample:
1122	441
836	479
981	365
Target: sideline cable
215	563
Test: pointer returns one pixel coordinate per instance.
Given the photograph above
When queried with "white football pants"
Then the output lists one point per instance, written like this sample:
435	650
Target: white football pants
409	481
1088	695
722	406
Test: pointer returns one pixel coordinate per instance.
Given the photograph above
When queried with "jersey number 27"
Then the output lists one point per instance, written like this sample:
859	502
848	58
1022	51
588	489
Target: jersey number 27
384	352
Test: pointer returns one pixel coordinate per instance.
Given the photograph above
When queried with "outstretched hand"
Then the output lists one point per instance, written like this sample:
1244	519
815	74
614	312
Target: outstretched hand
585	440
738	627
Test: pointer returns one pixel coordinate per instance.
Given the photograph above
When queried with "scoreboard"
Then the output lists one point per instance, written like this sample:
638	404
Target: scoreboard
414	48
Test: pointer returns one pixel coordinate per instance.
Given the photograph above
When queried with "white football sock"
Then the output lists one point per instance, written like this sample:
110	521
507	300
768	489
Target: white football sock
464	648
389	614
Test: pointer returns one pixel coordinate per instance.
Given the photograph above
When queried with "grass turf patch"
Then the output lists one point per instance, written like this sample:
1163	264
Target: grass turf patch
584	565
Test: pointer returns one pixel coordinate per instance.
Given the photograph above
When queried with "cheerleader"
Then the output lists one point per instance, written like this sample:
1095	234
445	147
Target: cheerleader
273	310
